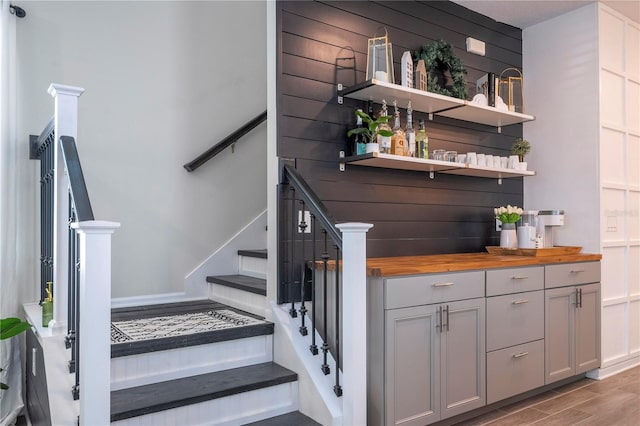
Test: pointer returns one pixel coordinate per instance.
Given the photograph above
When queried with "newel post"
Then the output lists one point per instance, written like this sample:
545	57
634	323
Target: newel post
95	335
354	293
66	124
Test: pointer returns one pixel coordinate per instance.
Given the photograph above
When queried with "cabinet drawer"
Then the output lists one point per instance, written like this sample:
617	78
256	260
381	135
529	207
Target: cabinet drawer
514	280
435	288
514	370
571	274
513	319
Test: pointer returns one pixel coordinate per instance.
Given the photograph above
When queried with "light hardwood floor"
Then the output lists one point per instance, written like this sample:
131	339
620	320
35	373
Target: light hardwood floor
614	401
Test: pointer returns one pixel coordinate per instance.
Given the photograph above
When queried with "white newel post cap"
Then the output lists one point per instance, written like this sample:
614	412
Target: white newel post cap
96	226
56	89
354	227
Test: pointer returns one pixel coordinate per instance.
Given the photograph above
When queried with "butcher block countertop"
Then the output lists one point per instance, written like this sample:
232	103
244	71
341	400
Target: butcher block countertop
436	263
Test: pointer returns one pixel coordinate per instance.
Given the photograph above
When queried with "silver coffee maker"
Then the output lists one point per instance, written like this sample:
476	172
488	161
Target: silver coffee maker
547	220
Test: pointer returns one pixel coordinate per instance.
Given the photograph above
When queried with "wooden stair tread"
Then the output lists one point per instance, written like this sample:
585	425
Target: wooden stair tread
294	418
241	282
257	253
141	400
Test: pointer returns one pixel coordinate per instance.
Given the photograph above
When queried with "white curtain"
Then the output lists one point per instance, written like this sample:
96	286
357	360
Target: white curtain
10	400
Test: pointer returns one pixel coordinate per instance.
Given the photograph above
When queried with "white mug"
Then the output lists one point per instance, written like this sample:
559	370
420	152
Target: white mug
504	162
488	159
482	161
472	159
514	160
372	147
496	162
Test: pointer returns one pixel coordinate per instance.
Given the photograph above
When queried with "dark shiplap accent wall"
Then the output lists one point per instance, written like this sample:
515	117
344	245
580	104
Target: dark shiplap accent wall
319	44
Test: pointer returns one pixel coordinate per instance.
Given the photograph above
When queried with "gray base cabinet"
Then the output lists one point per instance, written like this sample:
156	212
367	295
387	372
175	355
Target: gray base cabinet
440	345
571	324
435	358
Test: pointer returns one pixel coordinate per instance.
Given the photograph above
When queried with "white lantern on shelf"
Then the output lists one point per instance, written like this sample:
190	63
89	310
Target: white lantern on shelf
380	59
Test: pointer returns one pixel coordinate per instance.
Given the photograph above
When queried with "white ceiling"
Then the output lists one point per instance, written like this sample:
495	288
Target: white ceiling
525	13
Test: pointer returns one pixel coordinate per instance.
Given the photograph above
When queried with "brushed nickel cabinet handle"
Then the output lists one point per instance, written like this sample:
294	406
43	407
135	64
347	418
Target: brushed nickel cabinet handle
519	277
520	301
442	284
439	320
446	309
576	271
521	354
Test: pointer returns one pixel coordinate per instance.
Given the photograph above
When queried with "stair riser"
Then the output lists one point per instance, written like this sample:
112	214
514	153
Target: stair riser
252	266
240	299
231	410
154	367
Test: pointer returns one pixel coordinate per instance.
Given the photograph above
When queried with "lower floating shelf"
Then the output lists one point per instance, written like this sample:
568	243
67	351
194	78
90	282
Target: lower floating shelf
389	161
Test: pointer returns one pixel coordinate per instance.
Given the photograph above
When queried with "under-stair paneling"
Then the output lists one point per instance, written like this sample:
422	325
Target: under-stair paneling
322	44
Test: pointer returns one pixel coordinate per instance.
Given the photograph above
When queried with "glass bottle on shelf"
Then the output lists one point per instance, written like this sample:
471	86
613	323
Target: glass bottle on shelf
410	134
398	140
422	142
384	141
359	142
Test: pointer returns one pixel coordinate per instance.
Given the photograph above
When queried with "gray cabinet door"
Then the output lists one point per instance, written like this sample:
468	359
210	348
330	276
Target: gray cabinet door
463	356
412	366
559	333
587	328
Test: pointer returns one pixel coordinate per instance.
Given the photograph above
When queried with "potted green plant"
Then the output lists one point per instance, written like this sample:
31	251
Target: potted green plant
521	147
371	129
10	327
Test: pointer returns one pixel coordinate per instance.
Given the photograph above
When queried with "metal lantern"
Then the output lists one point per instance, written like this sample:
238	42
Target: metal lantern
511	89
380	59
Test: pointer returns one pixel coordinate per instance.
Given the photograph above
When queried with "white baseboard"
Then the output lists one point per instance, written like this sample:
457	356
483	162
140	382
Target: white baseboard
152	299
610	370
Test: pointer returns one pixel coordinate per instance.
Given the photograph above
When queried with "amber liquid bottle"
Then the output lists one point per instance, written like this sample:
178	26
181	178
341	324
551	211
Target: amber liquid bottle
398	140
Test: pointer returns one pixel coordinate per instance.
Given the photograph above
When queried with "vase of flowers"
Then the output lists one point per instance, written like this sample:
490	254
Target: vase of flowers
508	216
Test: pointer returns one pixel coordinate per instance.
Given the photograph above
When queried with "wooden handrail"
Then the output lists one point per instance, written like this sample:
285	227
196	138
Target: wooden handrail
77	185
229	140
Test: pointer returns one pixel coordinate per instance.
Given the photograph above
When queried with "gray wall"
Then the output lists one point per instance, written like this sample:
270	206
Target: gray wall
163	82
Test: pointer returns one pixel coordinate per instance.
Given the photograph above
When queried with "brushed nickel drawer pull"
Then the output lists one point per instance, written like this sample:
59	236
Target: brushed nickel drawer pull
521	354
442	284
520	301
575	271
520	277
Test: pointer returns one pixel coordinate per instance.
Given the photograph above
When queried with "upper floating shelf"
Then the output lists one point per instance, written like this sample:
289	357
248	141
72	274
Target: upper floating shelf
434	103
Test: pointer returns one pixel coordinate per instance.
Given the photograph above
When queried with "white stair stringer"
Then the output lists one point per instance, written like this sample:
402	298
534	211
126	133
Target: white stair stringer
231	410
322	405
240	299
154	367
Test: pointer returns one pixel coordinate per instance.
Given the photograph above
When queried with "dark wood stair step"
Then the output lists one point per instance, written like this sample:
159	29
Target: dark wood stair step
141	400
258	253
241	282
152	345
294	418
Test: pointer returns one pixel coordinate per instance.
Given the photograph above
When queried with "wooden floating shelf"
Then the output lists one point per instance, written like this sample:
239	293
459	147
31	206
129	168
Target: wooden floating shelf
434	103
389	161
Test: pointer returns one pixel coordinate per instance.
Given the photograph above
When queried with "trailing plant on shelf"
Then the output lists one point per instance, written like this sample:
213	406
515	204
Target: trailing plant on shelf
521	147
10	327
370	130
